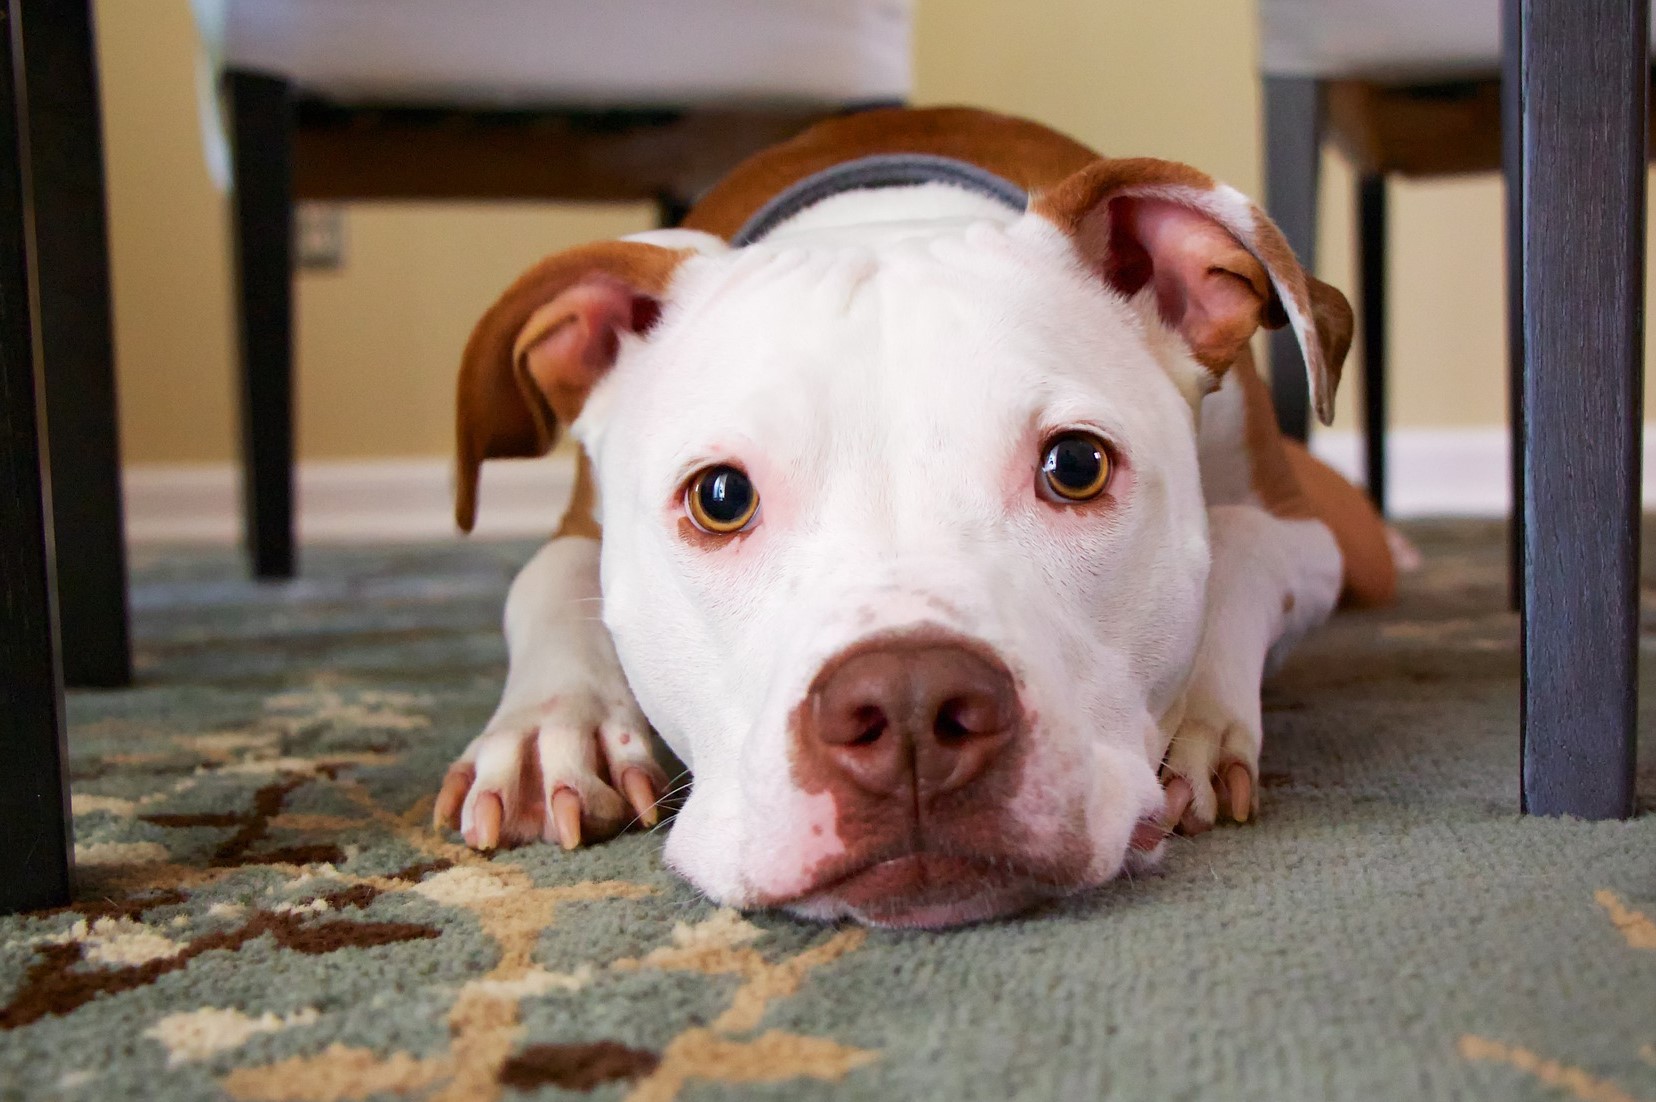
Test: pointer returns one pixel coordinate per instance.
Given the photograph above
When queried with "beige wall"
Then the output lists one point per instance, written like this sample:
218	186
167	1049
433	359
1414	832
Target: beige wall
166	235
378	341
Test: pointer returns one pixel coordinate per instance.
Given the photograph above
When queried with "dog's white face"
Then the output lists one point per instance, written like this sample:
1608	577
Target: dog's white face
920	684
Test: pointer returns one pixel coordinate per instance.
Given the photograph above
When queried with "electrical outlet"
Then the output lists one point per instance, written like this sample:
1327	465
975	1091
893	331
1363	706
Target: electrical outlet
319	232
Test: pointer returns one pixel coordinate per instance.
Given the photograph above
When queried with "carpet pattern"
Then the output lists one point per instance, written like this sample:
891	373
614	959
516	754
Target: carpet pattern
265	914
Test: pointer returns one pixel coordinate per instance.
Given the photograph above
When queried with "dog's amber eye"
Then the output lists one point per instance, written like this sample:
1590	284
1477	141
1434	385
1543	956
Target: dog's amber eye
1076	466
721	500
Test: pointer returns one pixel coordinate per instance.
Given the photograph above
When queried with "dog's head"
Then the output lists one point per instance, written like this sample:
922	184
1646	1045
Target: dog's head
904	546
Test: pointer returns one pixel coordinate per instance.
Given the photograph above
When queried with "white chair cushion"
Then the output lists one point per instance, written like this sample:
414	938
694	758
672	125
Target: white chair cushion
519	53
1380	38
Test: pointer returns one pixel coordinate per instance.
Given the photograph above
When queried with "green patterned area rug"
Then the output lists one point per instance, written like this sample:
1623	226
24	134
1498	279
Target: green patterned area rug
264	913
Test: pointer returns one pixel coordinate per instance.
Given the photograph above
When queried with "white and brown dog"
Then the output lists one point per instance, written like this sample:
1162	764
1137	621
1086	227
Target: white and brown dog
947	529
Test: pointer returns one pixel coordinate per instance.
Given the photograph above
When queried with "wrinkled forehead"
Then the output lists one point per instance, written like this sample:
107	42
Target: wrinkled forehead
978	333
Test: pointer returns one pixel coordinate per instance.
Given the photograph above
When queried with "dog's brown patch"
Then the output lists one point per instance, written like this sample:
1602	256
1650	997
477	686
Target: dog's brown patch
1026	153
503	413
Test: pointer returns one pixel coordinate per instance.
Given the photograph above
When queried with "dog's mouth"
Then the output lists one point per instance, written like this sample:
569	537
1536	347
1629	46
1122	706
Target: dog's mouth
927	890
932	887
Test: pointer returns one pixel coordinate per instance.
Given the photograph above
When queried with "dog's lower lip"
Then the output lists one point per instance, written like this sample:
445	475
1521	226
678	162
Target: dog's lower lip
908	875
894	890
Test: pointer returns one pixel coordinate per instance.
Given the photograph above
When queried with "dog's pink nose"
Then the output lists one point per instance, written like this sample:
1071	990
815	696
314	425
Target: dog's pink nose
910	715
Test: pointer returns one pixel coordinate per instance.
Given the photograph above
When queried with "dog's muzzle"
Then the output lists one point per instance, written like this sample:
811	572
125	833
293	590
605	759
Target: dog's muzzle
920	739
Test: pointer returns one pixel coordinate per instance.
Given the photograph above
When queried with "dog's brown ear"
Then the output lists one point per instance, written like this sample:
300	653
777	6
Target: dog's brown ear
1218	267
1334	320
537	352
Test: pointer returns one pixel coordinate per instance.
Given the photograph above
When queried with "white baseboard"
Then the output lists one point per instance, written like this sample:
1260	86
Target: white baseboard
349	501
1433	472
1448	472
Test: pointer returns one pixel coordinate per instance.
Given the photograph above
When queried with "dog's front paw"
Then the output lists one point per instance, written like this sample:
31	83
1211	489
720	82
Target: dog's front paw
1212	770
574	768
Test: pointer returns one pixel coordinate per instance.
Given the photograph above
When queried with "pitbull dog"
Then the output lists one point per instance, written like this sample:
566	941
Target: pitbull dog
947	530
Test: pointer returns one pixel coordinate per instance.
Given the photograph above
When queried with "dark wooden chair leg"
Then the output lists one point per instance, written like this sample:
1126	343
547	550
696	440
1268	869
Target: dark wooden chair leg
1293	157
1512	169
36	854
262	131
1583	72
1371	237
72	275
670	210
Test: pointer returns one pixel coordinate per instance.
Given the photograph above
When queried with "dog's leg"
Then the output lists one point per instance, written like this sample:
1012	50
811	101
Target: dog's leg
567	756
1272	580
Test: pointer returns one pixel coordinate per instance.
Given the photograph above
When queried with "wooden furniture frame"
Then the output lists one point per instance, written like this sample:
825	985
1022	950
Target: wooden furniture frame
1566	120
55	365
1576	75
290	148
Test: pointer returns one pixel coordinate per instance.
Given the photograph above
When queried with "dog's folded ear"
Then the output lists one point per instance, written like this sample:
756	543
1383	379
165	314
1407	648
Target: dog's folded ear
537	352
1218	267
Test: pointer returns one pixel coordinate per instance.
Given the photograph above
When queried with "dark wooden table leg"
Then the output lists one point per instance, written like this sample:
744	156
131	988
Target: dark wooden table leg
262	109
671	210
1371	237
1293	158
72	272
35	850
1512	169
1583	71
